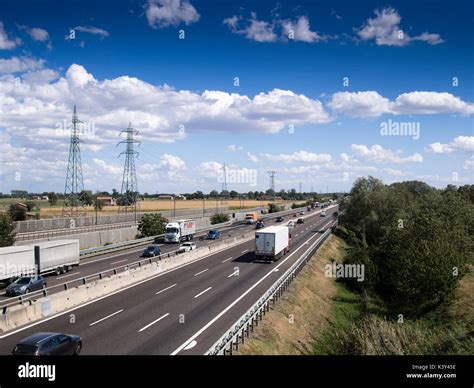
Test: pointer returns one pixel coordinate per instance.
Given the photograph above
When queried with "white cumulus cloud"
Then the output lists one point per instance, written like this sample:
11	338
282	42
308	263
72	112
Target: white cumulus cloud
385	29
299	156
372	104
5	42
459	144
164	13
300	30
20	64
378	154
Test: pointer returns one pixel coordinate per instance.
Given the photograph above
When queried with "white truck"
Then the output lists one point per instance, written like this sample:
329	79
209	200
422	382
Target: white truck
181	230
272	242
57	256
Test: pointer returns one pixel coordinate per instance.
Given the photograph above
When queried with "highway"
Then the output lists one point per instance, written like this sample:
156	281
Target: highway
108	261
183	311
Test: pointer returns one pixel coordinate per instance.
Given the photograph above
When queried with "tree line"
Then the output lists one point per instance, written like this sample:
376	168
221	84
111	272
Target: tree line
414	241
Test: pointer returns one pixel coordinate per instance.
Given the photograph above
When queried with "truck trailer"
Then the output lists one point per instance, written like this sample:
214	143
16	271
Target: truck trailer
57	256
181	230
251	218
272	243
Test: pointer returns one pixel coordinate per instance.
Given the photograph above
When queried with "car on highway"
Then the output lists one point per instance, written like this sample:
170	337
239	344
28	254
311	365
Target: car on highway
323	213
302	213
295	214
259	225
152	251
291	224
280	219
187	247
49	344
300	221
213	234
24	285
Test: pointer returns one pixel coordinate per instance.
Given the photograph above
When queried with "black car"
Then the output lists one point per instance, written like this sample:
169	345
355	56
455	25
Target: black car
25	285
49	344
152	251
259	225
280	219
300	221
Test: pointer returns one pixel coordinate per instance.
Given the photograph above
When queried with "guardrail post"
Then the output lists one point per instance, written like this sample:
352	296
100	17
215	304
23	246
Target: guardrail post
100	276
83	280
115	271
65	286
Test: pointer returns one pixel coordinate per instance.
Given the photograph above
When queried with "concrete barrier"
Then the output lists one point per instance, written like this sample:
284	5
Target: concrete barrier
47	306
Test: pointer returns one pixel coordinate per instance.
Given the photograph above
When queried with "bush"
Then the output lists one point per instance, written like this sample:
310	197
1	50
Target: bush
219	218
152	224
17	213
274	208
7	234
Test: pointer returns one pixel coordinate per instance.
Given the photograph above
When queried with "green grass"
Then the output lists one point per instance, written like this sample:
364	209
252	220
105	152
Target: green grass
346	309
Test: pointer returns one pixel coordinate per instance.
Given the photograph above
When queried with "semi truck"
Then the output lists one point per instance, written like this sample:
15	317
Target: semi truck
251	218
181	230
58	256
272	243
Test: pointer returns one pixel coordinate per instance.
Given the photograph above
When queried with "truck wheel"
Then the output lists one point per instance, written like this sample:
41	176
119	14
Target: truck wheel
58	271
64	269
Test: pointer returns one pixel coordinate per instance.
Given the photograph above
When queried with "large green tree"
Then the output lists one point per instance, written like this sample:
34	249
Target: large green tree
152	224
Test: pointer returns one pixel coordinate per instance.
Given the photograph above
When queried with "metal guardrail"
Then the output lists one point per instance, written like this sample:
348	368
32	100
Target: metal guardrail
242	327
144	240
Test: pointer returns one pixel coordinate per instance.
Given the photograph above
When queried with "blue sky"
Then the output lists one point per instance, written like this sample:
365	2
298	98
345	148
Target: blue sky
127	63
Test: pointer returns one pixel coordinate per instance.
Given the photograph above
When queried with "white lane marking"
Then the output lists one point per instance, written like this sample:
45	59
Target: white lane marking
110	257
230	258
65	276
191	345
165	289
205	327
296	234
152	323
120	261
276	269
199	273
202	292
245	251
103	319
233	273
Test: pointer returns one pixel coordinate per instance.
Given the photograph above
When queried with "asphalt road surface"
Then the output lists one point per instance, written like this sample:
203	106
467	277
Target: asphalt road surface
183	311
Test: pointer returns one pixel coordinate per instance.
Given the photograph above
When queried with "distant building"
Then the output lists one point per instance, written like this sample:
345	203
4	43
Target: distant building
180	197
107	200
35	197
45	198
165	196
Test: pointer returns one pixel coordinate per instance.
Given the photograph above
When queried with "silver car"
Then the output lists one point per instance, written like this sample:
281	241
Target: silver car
187	247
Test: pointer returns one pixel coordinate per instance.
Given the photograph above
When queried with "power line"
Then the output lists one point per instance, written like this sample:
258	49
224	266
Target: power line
128	200
74	188
272	179
224	183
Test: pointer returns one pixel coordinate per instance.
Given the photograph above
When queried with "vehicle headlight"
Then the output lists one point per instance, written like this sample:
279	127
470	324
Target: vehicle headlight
22	288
